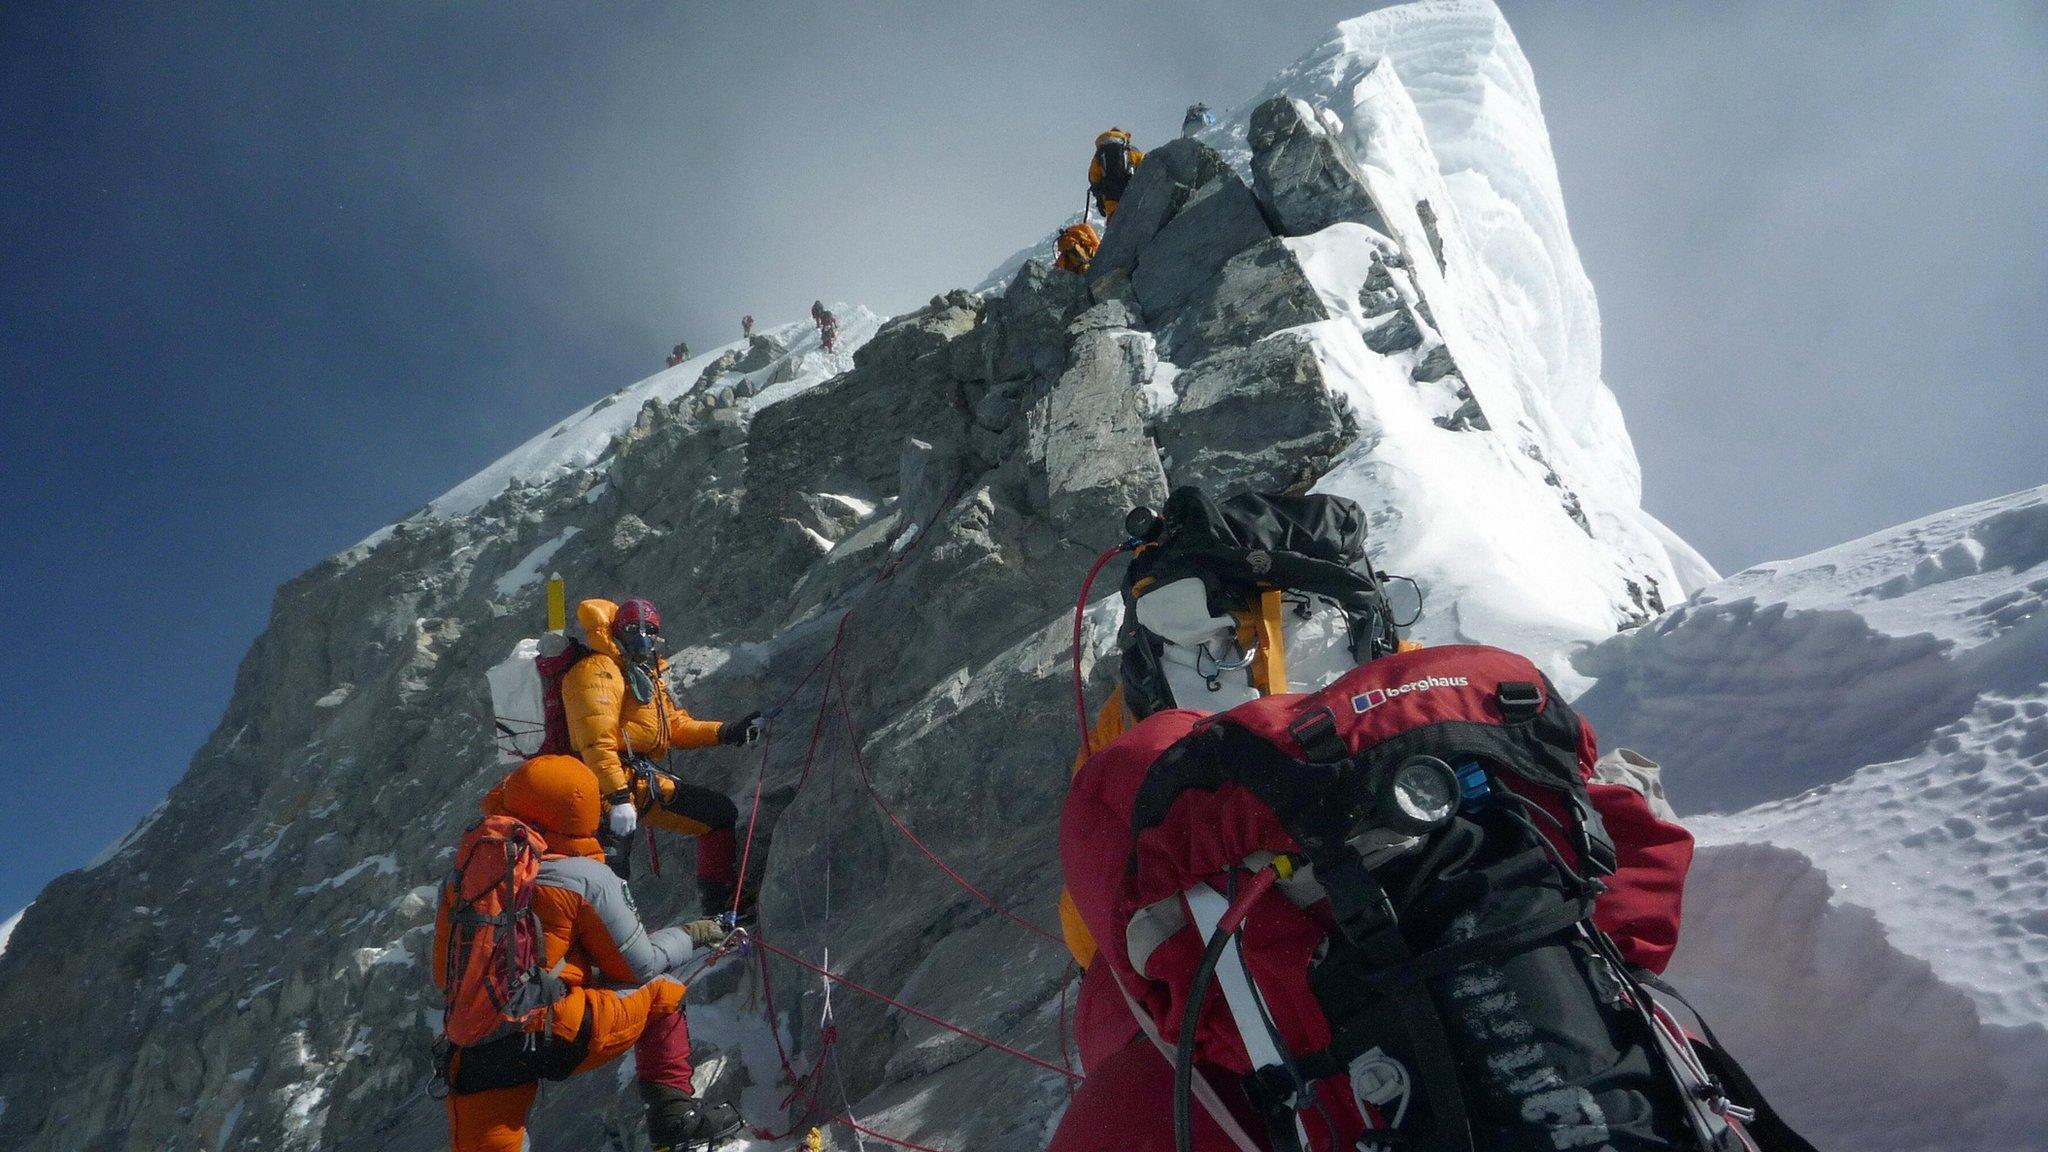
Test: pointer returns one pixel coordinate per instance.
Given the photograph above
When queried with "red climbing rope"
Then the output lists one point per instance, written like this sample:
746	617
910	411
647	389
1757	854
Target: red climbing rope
806	1088
1080	613
860	763
884	572
985	1041
1066	1051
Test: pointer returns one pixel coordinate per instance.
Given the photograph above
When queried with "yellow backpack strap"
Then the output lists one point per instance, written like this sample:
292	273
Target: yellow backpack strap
1259	633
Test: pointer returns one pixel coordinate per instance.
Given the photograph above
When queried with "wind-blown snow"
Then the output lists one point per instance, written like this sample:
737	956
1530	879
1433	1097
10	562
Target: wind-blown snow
1860	1045
1469	514
1881	708
128	839
1797	673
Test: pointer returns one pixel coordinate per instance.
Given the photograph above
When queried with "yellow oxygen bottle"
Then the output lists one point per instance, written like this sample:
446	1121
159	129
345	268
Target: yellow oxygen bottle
558	603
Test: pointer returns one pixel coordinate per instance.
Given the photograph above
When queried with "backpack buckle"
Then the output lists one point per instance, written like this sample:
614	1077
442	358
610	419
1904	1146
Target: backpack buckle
1519	701
1363	911
1316	733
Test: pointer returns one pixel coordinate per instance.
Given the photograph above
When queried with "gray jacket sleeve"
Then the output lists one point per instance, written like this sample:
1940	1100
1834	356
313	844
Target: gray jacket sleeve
647	955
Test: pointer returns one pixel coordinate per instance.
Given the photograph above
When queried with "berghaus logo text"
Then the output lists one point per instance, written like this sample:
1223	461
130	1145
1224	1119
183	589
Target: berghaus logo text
1374	697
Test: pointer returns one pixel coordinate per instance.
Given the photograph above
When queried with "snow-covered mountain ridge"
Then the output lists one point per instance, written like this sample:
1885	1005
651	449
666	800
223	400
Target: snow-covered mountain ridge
1882	708
1869	724
244	971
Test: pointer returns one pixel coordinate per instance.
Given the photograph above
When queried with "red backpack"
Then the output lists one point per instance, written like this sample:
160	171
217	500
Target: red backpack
554	717
494	972
1391	882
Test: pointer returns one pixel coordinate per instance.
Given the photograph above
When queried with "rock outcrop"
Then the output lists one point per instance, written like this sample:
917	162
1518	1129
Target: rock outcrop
1304	172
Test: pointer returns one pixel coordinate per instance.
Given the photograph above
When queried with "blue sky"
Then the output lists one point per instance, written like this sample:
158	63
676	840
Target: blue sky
278	274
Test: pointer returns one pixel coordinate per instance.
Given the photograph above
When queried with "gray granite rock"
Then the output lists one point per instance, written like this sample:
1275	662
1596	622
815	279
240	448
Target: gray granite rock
1256	418
1256	293
1304	173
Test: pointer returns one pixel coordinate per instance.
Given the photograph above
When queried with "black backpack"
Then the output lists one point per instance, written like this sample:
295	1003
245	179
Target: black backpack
1115	157
1239	547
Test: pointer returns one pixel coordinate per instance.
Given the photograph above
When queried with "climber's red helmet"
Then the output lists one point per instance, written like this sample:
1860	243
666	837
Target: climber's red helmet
636	626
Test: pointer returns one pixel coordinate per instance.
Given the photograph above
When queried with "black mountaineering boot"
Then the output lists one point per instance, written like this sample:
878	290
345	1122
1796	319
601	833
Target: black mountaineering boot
678	1121
715	897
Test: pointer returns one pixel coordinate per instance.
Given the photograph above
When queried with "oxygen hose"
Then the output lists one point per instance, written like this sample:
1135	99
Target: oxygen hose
1198	996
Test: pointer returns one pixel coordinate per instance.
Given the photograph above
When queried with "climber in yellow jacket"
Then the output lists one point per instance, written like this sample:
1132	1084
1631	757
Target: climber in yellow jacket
623	723
1110	172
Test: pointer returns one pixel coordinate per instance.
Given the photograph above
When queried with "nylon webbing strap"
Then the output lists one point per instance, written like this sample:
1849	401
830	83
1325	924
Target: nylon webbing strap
1211	1103
1316	733
1769	1127
1367	919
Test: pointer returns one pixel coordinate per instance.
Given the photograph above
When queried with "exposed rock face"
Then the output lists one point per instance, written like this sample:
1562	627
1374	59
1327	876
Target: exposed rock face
1256	293
1164	184
758	354
1304	173
1089	439
1256	418
247	970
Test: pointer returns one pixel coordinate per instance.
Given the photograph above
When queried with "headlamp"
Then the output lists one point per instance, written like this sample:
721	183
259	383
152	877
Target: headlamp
1417	796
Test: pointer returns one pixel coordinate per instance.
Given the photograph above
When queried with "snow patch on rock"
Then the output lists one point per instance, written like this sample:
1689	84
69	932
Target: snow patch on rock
383	864
531	565
8	925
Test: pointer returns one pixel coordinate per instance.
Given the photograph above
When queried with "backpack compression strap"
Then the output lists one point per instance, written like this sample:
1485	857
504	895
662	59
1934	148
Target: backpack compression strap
1769	1128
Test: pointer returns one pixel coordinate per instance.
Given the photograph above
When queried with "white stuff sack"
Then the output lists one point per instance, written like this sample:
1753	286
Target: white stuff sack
518	714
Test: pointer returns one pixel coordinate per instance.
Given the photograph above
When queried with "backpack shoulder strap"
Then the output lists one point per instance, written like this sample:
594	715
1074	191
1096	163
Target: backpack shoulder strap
1769	1128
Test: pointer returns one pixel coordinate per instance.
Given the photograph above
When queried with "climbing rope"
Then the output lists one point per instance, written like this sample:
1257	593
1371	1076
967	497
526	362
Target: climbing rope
1080	616
860	763
806	1088
927	1017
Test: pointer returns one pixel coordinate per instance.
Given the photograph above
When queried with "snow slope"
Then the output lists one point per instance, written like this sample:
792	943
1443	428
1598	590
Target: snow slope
1526	532
1860	1045
581	439
1880	708
7	929
1473	516
1452	116
1798	673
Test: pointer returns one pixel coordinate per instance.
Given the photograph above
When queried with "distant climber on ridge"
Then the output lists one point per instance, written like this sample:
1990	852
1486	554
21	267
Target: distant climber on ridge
587	982
1198	118
678	354
1110	171
747	327
828	325
1077	244
624	723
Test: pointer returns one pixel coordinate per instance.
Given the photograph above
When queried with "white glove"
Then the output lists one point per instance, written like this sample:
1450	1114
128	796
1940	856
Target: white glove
624	819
